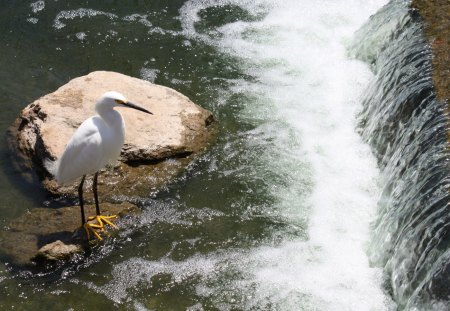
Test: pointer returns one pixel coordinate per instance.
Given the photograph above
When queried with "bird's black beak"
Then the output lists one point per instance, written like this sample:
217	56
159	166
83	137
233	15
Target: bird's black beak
134	106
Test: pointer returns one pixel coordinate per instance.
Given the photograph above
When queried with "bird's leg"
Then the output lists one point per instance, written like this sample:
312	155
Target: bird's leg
80	197
101	220
87	227
94	188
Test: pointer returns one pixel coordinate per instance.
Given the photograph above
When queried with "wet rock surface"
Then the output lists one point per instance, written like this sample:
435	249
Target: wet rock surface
436	17
48	234
57	250
157	148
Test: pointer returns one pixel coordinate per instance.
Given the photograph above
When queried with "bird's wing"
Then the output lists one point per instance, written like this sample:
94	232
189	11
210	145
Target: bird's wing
83	153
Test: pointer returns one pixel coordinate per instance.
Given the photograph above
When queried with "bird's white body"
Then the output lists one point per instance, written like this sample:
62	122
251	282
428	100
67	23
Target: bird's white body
95	144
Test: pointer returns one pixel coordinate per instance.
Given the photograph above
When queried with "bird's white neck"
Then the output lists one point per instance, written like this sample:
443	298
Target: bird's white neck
112	117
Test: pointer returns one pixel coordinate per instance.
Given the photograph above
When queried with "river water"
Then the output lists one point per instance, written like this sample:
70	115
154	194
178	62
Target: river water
275	216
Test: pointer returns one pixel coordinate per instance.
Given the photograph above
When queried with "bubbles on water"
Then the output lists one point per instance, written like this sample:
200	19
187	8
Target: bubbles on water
190	14
139	307
174	213
135	271
175	81
37	6
32	20
81	35
79	13
132	35
141	18
148	74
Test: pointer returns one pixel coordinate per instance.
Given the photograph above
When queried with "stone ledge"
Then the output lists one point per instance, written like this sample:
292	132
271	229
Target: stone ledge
436	17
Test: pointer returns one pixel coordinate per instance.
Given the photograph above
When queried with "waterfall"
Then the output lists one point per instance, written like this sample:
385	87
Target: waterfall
327	185
407	127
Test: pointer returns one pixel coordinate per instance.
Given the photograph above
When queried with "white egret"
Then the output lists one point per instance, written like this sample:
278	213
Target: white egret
95	144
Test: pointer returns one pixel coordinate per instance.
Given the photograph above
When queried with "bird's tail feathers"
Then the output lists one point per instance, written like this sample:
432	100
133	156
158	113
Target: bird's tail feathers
51	166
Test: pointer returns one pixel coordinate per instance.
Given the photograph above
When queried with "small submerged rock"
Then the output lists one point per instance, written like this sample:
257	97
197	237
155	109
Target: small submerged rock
157	148
57	250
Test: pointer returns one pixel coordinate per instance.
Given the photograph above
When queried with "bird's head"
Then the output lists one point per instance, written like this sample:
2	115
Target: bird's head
113	99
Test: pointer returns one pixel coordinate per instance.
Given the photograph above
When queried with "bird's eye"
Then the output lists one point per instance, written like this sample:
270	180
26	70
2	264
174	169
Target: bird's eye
119	101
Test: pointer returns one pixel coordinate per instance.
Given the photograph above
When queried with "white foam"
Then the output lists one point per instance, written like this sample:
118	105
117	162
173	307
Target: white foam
297	54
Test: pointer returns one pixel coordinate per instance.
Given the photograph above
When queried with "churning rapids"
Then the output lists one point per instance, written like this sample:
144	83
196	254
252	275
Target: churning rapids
326	188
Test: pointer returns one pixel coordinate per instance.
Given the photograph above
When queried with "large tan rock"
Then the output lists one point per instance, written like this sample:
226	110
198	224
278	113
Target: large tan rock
177	129
157	148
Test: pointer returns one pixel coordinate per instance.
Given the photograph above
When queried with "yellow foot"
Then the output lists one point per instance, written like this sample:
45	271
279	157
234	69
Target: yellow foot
100	226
